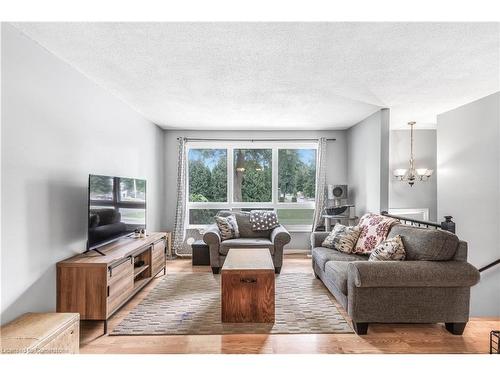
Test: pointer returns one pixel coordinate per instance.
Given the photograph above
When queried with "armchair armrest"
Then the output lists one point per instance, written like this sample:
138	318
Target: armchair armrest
365	274
280	236
212	235
317	238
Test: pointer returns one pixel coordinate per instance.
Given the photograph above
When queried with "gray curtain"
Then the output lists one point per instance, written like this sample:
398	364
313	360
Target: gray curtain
180	212
320	183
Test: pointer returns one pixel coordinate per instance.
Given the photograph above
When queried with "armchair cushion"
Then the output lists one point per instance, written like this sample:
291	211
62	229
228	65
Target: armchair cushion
412	274
245	243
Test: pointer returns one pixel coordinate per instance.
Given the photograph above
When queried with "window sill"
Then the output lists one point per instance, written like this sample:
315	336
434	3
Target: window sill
294	229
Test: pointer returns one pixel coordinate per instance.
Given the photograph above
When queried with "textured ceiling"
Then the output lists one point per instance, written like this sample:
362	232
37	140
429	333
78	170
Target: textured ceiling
281	75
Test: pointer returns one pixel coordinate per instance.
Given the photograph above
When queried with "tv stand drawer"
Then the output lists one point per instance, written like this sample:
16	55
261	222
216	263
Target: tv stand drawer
158	256
118	270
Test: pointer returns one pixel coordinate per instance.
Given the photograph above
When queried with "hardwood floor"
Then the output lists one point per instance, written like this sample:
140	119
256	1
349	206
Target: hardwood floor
381	338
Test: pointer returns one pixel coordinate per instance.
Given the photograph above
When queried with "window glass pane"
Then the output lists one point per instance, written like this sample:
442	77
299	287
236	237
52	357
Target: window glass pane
207	175
202	216
252	175
296	175
295	216
132	190
101	188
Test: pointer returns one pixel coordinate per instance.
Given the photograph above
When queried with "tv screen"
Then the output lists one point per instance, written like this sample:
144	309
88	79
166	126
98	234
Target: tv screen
117	207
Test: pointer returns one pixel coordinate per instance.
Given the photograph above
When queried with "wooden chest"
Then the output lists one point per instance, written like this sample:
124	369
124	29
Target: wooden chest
247	290
42	333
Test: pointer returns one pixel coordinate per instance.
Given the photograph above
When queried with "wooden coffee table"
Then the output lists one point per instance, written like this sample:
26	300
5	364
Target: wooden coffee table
247	291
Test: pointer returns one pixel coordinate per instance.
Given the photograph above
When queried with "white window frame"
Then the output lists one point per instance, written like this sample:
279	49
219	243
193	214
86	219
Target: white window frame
230	204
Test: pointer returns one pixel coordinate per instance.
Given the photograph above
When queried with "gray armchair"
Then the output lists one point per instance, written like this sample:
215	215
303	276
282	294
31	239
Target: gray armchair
274	240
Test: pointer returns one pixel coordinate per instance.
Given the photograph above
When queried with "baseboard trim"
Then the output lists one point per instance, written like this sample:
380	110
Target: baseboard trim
296	251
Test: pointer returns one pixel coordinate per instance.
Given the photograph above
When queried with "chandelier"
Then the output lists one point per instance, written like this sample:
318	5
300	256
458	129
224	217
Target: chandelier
412	174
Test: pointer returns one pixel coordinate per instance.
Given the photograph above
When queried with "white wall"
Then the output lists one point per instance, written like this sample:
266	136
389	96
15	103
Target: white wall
468	187
422	194
336	171
368	163
57	127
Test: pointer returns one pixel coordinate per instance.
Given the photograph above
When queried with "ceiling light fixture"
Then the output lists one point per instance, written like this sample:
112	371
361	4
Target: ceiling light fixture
412	174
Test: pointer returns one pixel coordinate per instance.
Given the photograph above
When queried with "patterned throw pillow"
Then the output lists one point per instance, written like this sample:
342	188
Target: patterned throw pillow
228	227
374	229
342	238
263	220
390	249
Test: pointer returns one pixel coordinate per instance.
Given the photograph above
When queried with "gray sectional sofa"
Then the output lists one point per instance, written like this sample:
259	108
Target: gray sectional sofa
431	286
274	240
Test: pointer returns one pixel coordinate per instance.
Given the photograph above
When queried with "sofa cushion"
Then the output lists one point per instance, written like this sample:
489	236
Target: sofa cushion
374	230
336	272
426	244
245	243
321	255
244	225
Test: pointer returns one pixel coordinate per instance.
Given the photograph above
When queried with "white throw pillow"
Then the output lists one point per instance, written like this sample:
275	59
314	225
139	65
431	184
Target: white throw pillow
228	227
390	249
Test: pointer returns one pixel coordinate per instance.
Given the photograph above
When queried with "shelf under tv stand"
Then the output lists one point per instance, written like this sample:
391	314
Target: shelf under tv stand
96	286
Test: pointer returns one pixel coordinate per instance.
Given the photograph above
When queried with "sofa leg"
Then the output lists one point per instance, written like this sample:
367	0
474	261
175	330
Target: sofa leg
360	328
277	269
215	270
316	275
455	328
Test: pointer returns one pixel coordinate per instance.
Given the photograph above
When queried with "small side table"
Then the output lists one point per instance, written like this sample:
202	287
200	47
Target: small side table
201	253
338	219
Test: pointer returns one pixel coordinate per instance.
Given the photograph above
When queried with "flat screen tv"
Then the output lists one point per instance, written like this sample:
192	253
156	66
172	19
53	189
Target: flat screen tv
116	208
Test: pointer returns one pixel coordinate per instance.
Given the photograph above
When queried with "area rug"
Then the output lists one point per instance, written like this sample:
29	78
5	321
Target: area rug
189	304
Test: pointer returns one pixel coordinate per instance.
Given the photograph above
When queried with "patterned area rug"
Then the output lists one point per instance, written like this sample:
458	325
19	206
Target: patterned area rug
189	304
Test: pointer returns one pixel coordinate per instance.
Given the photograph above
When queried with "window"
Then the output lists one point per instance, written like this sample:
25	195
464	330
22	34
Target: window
252	181
248	176
207	175
296	175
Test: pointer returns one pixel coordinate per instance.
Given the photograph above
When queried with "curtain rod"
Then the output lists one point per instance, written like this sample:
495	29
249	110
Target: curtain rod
254	140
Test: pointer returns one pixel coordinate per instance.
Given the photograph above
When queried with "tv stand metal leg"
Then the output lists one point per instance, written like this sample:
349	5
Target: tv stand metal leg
105	326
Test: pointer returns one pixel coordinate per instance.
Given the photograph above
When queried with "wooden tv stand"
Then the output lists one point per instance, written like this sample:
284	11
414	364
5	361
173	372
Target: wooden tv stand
97	286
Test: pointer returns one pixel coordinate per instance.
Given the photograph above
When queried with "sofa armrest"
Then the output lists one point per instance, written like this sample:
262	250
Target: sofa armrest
280	236
366	274
212	235
317	238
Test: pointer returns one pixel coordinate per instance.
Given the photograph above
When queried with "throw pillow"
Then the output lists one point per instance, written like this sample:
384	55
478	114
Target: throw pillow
342	238
228	227
263	220
374	229
390	249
